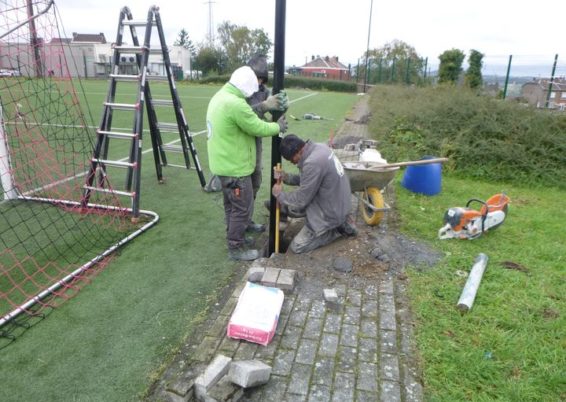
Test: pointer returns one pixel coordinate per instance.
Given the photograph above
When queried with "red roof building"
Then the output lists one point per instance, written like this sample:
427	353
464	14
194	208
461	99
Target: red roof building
327	67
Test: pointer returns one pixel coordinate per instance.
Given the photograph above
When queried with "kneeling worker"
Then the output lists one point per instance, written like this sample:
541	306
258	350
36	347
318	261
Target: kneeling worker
323	197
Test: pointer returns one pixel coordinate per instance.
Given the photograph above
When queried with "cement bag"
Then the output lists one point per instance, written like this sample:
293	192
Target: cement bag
255	317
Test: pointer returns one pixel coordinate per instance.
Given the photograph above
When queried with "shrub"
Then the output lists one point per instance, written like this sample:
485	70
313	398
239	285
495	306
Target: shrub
484	137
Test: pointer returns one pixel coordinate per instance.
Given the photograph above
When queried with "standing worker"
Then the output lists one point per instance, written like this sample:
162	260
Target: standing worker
232	126
324	197
262	102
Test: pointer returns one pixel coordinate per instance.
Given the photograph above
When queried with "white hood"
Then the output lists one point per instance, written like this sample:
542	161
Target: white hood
245	80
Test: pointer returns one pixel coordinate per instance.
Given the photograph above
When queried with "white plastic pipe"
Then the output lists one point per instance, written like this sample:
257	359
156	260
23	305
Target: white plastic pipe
5	169
472	284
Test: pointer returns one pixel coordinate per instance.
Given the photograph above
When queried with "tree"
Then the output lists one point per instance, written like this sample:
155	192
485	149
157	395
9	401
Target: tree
473	76
450	66
394	62
184	40
239	43
210	60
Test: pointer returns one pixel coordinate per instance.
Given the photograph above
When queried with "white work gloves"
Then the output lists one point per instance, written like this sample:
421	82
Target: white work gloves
275	103
282	124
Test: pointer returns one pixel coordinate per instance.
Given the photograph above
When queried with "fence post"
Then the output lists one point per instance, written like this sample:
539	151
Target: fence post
507	76
551	80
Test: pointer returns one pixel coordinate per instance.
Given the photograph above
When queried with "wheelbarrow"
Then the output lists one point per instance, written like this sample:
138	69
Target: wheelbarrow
370	175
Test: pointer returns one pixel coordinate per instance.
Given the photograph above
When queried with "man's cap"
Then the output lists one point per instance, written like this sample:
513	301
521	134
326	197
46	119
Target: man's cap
258	63
290	145
245	80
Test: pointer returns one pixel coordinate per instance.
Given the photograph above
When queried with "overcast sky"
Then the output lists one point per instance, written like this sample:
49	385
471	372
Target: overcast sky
497	28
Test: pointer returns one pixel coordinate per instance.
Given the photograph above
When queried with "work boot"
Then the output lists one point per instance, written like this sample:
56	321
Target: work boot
241	254
348	228
255	228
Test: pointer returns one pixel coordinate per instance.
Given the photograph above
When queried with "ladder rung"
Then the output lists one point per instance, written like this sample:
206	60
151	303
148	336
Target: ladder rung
124	77
168	127
115	134
137	23
119	164
109	191
156	77
172	148
138	49
162	102
122	106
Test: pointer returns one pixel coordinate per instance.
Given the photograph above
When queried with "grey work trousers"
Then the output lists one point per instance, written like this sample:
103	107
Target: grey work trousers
306	240
238	207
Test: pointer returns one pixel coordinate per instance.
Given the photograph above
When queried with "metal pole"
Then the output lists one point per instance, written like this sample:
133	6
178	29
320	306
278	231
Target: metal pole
407	72
551	80
34	42
507	76
278	85
367	48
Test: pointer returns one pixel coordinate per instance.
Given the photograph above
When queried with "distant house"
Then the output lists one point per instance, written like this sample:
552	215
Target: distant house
88	38
536	93
327	67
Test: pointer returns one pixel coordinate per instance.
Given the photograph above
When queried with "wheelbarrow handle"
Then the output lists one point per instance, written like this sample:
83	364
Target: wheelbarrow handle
411	163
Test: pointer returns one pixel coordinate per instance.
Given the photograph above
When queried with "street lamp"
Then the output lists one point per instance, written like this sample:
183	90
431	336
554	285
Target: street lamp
367	48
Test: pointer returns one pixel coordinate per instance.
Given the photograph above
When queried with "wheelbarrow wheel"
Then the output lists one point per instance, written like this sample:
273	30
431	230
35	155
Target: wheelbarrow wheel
372	196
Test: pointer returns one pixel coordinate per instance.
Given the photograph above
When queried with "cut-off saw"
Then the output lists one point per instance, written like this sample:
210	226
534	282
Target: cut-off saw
469	223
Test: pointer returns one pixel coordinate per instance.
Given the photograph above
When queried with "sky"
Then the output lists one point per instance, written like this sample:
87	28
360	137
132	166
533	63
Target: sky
496	28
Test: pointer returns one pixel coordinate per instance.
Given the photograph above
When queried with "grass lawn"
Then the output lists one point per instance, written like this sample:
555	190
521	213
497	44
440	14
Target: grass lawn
114	337
511	345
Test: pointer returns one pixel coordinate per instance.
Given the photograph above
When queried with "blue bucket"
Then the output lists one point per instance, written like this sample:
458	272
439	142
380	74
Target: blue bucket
423	179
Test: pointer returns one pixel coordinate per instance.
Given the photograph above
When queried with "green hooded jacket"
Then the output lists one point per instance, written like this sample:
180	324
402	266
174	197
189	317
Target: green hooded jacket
232	127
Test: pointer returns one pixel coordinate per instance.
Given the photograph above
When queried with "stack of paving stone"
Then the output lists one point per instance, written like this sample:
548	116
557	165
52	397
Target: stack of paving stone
224	380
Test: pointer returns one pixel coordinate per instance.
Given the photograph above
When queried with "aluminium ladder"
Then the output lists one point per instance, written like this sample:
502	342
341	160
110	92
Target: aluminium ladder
100	161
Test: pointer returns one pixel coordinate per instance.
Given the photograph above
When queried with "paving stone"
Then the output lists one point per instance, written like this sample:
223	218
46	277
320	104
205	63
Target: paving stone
390	391
387	320
302	303
224	390
386	302
166	396
319	393
366	396
283	362
288	304
317	309
238	290
366	377
370	292
368	350
290	339
323	371
228	346
307	351
354	297
349	335
352	315
286	279
313	328
255	274
332	323
344	387
249	373
184	381
267	352
206	349
330	295
270	277
300	379
413	388
328	345
297	318
295	398
346	359
246	351
388	341
282	323
369	328
340	289
228	308
389	367
386	285
274	390
211	375
218	328
369	309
